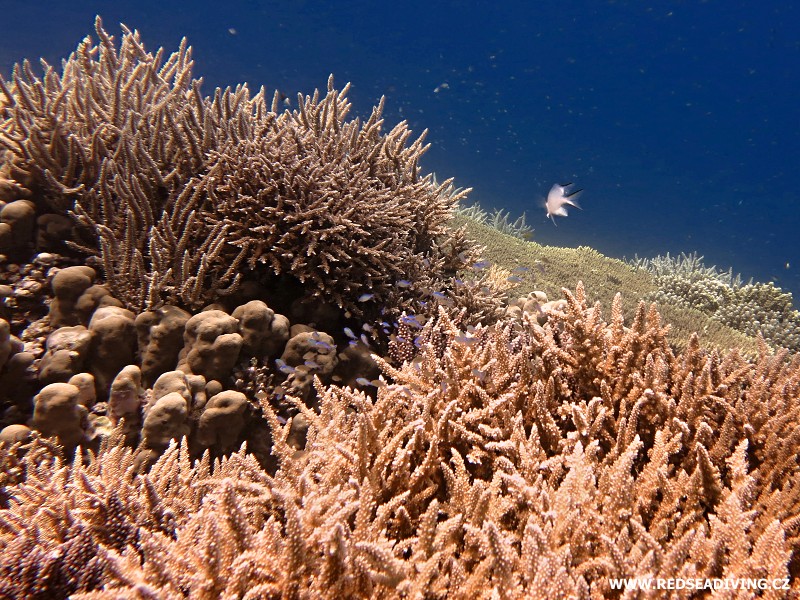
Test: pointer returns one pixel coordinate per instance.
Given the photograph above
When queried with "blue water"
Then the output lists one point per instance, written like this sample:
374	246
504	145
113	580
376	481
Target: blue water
679	119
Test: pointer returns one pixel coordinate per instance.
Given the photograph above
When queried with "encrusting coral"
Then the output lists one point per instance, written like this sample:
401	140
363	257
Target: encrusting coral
518	460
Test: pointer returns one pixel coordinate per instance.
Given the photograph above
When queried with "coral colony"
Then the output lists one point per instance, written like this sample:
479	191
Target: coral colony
245	355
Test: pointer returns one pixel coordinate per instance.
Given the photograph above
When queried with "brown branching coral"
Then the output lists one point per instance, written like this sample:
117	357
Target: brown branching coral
112	140
179	194
517	460
116	122
334	202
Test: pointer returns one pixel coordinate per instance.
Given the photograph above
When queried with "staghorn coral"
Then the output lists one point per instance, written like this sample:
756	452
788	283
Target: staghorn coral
498	219
112	140
336	203
180	196
518	460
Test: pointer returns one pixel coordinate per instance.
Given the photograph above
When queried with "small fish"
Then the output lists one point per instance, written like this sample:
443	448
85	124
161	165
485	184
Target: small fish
514	279
283	367
322	345
466	339
312	364
481	264
411	320
442	298
365	382
365	297
367	327
364	340
349	333
558	199
521	269
403	283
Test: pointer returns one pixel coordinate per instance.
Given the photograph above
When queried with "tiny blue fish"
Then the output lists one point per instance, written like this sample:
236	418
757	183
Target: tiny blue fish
514	279
365	297
364	339
403	283
283	367
521	269
411	320
442	298
322	345
311	364
367	327
349	333
365	382
481	264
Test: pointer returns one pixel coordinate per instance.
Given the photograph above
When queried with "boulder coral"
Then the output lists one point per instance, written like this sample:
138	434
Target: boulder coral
222	421
263	332
58	413
211	344
160	340
113	344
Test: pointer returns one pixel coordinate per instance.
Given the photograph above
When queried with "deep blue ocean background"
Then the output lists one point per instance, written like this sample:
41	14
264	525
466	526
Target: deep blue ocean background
680	120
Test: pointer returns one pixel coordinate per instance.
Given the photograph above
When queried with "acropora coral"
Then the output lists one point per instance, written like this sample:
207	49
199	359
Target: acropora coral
267	366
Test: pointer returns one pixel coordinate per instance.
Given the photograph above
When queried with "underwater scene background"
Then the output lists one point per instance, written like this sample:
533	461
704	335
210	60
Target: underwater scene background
679	119
255	345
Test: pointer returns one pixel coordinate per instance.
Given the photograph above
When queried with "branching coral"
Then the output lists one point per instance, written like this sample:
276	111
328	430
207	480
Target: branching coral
752	308
180	195
334	202
519	460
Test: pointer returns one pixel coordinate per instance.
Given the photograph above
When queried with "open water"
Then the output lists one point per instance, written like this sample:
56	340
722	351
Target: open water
679	119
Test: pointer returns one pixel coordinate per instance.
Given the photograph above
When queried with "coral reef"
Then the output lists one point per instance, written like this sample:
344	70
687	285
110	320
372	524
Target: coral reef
271	363
752	308
498	219
518	460
181	197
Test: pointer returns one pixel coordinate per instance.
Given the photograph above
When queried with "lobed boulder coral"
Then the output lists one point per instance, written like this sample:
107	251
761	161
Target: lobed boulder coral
59	413
212	344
